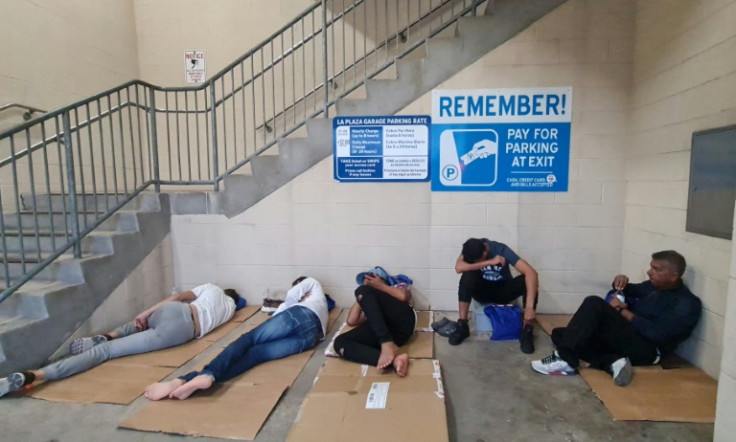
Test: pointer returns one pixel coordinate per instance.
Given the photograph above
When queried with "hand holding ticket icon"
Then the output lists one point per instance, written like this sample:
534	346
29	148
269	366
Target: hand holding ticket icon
481	149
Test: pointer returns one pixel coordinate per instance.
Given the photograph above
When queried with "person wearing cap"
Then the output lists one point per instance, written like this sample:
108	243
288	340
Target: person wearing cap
486	277
384	320
637	326
177	319
297	325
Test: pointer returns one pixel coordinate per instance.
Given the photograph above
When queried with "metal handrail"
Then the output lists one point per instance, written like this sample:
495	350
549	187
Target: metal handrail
99	153
27	115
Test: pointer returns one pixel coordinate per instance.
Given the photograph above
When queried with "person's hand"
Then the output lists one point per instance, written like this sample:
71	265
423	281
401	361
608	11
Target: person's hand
620	282
141	321
497	260
617	304
374	281
529	315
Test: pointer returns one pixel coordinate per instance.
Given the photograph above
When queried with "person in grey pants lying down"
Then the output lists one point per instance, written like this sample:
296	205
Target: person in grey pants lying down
178	319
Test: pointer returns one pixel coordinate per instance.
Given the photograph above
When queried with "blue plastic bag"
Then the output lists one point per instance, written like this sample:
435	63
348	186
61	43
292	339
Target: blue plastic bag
506	321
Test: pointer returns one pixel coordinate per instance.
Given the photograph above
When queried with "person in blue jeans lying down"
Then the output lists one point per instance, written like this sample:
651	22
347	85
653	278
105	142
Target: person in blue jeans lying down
177	319
296	326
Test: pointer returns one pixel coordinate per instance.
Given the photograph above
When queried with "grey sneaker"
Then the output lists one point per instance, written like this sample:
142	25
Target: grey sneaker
622	372
83	344
444	327
12	383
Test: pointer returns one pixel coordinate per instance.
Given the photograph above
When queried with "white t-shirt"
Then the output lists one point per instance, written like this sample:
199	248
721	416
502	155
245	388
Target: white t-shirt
214	307
315	302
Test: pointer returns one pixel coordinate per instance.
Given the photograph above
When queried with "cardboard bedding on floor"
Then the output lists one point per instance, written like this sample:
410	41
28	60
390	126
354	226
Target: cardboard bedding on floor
673	391
235	409
120	381
352	402
420	345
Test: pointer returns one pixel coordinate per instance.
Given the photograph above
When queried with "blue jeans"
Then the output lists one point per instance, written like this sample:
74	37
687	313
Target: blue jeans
171	324
292	331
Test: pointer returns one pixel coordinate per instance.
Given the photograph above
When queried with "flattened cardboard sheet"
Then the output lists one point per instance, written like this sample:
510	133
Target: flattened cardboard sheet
549	322
336	407
245	313
260	388
655	394
107	383
229	411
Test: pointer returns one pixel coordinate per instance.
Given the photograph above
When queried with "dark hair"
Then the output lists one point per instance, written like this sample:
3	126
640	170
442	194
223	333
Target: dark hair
232	294
298	280
675	260
473	250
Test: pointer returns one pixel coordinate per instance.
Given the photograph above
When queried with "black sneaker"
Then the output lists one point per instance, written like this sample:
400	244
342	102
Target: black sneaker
459	335
526	339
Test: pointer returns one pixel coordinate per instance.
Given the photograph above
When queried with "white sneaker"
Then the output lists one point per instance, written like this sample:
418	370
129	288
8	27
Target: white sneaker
622	372
553	365
12	383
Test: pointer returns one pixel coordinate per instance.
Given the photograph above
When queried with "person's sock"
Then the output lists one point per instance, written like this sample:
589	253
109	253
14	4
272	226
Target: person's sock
29	377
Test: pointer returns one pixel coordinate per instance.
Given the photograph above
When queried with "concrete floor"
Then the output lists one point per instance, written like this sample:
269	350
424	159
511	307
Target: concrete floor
492	394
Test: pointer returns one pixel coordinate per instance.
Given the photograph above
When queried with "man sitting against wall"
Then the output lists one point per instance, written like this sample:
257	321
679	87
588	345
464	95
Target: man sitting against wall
639	324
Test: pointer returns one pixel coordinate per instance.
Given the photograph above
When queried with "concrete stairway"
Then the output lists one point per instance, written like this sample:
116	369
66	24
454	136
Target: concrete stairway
473	37
40	316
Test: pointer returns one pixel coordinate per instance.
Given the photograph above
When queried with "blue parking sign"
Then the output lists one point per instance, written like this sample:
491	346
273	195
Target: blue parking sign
501	140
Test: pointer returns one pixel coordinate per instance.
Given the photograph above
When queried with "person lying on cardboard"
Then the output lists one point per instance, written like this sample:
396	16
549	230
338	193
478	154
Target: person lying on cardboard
296	326
384	320
647	321
173	321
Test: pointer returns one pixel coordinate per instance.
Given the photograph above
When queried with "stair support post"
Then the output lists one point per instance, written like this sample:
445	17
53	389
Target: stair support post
324	58
154	139
71	183
213	118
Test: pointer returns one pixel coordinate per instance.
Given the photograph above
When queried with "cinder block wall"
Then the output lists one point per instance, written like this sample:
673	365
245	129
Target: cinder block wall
726	407
57	52
684	80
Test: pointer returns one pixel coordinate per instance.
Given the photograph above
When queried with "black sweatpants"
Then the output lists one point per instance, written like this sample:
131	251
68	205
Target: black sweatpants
473	286
388	319
599	334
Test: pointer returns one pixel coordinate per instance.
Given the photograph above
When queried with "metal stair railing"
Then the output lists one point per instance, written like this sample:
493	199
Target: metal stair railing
87	160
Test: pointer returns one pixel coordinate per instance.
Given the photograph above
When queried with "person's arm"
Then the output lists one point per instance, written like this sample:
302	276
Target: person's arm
400	292
308	287
355	315
461	266
141	321
531	279
677	319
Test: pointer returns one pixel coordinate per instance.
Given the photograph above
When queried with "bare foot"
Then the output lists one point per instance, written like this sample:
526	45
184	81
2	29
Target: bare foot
401	364
160	390
388	353
201	382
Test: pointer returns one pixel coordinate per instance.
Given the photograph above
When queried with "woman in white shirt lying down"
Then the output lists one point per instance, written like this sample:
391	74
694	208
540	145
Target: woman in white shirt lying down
296	326
173	321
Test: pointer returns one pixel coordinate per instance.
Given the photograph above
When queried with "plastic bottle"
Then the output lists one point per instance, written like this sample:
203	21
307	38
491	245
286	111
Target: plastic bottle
267	294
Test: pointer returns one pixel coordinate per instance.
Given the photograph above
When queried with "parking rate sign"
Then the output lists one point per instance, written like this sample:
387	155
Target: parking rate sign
381	148
510	140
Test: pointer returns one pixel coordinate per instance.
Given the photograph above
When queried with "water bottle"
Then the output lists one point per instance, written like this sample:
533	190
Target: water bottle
267	294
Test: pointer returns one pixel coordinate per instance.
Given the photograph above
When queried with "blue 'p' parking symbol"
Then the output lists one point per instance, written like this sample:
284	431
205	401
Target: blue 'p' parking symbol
449	173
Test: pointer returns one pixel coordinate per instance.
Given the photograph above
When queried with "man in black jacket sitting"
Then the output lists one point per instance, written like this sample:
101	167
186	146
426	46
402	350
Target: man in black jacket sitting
638	325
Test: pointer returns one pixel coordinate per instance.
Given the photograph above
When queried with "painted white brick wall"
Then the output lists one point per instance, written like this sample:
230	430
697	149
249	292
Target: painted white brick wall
684	78
725	427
